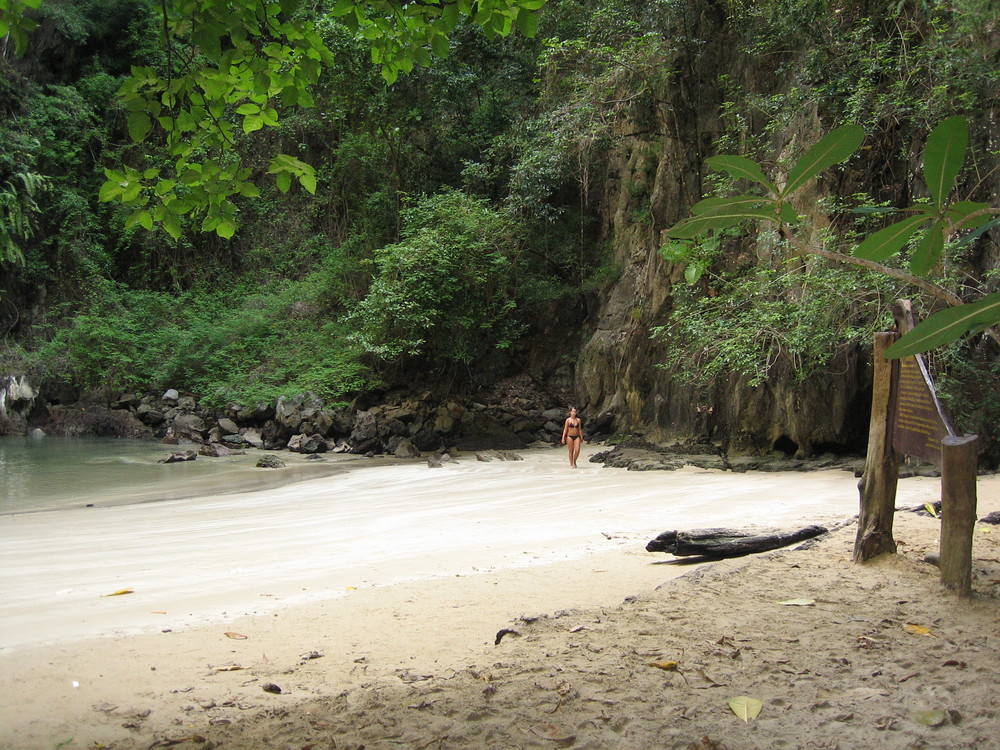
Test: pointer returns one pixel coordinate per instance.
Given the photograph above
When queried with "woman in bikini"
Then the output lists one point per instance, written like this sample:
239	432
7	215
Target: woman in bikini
572	436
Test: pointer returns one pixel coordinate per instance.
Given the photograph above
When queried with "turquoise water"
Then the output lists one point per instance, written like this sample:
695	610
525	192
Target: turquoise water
50	473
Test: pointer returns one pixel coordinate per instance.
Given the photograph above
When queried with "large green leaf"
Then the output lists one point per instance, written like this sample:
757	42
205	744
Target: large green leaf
889	241
741	168
741	201
721	219
946	326
832	149
973	236
139	125
928	252
944	155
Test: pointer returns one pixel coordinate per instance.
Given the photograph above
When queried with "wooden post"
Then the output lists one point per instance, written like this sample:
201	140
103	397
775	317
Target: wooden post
878	485
958	511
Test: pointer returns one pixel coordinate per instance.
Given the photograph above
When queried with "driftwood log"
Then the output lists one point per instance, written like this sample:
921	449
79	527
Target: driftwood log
720	543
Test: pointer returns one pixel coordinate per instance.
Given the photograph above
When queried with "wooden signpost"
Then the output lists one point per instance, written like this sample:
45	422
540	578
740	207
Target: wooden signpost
907	419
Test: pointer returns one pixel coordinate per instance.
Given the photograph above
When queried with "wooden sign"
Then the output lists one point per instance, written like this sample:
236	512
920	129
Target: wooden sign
920	423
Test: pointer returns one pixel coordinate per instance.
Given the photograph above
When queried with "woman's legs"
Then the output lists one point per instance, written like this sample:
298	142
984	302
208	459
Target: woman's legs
574	449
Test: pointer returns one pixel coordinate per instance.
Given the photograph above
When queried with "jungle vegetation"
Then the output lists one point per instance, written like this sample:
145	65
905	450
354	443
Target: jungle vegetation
363	203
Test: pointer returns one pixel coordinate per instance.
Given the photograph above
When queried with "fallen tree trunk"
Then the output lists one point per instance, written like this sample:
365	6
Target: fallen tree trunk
720	543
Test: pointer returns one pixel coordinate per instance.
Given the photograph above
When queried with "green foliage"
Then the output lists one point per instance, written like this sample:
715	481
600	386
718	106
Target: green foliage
448	291
17	213
943	159
235	346
754	324
16	23
233	67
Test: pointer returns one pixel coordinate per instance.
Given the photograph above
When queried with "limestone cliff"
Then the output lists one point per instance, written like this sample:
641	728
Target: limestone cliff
653	178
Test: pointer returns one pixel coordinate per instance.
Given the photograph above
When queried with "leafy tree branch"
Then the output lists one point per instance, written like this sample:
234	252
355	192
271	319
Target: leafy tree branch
925	226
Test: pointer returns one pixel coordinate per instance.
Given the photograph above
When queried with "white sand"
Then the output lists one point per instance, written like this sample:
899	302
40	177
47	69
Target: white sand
400	570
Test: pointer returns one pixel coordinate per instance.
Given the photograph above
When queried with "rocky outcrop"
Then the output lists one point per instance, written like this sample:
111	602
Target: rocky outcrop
639	455
508	416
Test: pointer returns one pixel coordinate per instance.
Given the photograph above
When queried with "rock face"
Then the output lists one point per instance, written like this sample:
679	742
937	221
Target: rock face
618	378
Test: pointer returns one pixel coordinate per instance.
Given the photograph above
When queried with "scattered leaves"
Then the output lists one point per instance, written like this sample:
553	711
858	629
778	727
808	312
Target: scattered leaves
745	707
120	592
235	636
929	718
669	666
919	630
553	733
799	602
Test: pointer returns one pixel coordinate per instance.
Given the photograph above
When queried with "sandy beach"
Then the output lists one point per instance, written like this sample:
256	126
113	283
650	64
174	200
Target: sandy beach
364	609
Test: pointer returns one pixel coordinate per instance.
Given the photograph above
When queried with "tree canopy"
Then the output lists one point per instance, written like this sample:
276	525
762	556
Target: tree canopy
235	66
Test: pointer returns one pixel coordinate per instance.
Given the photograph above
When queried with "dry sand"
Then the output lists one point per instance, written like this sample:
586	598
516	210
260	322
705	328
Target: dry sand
380	629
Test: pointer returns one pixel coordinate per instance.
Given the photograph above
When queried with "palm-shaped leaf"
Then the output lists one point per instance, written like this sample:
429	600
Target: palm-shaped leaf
832	149
947	325
943	156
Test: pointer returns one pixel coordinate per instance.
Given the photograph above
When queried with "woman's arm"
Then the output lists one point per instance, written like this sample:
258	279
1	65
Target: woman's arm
565	430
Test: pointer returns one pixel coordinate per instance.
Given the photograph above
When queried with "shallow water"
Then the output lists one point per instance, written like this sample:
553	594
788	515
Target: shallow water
52	473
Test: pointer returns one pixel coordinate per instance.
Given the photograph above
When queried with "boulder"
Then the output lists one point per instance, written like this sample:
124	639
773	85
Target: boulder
406	449
127	401
174	458
186	428
495	455
217	450
252	437
307	444
228	426
234	440
170	396
365	434
291	412
437	460
270	461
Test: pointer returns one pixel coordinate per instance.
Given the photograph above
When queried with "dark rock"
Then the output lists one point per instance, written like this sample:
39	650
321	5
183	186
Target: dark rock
307	444
187	403
495	455
438	460
186	428
365	433
128	401
270	461
235	440
993	518
94	421
406	449
217	450
174	458
252	437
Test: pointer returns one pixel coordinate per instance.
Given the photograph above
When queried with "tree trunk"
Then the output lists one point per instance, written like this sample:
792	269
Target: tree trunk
878	485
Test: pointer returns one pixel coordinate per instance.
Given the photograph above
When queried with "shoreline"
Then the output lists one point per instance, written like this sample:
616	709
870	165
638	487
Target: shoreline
390	663
191	561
